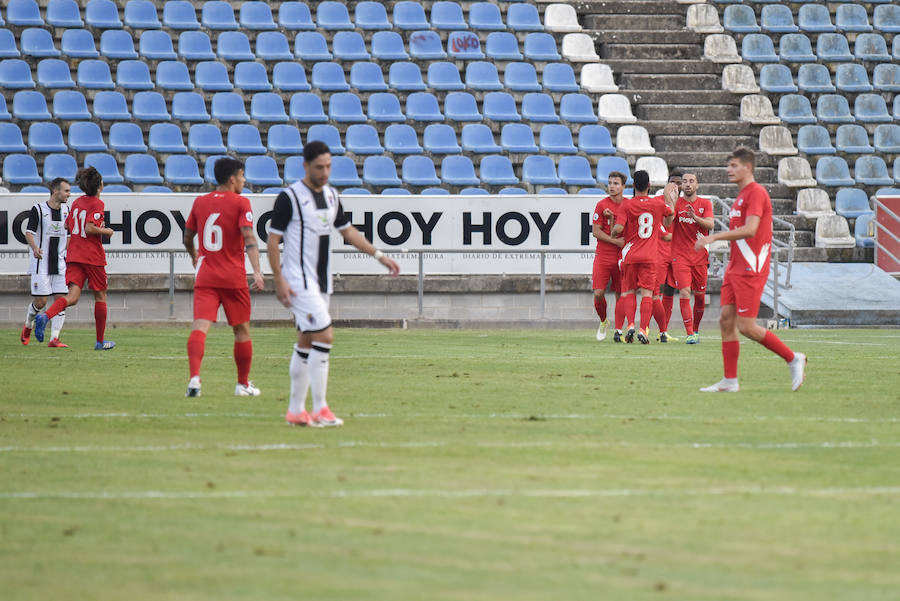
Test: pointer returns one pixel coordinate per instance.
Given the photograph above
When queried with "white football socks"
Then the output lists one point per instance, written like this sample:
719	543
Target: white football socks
318	374
299	371
29	317
56	324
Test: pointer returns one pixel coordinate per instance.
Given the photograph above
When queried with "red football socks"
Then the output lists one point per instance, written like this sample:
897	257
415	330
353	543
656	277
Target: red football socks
600	306
646	312
58	306
699	307
659	314
619	312
243	357
630	303
731	349
99	320
686	315
196	344
774	344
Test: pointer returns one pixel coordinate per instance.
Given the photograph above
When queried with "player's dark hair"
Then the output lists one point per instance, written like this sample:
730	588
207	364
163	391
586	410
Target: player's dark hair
676	172
744	155
56	183
622	178
89	180
641	181
691	172
225	168
314	150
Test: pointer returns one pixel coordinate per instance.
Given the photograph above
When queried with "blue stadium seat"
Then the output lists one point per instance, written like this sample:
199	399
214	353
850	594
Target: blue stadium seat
363	139
815	18
20	168
559	77
107	166
778	18
311	46
577	108
150	106
895	45
333	16
367	77
814	139
380	171
872	171
478	138
518	138
485	16
53	73
289	76
740	18
474	192
384	107
251	76
886	77
576	171
521	77
30	106
218	15
852	17
157	190
557	139
180	14
833	48
396	192
815	78
554	191
189	106
426	45
447	16
244	139
78	43
11	138
833	171
482	76
141	169
306	107
133	75
195	46
166	138
523	17
497	170
371	16
777	78
8	46
440	139
173	75
410	16
541	47
861	231
234	46
758	48
116	189
70	105
4	112
406	77
887	138
329	77
458	171
423	106
64	13
539	170
154	45
796	48
182	169
262	171
15	74
833	108
359	191
595	139
502	45
24	13
327	134
46	137
295	16
401	139
852	139
500	107
102	14
119	44
126	137
267	107
871	108
539	108
205	138
345	108
886	18
435	192
419	170
896	112
209	169
592	191
464	45
256	16
229	107
871	47
212	76
111	106
141	14
349	46
606	165
388	46
273	46
461	106
37	42
60	165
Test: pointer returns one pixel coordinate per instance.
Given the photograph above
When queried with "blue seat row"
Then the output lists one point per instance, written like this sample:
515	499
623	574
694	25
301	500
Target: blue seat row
816	78
834	108
811	17
850	139
830	47
868	170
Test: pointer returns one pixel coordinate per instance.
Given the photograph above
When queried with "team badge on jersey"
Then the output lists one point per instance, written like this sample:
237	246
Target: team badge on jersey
249	216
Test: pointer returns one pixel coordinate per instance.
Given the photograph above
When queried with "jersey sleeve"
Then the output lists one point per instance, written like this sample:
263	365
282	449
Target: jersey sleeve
245	219
621	215
597	217
756	202
341	221
281	214
34	218
95	215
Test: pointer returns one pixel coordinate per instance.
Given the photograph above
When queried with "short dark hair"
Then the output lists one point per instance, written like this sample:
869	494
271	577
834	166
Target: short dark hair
225	168
89	180
676	172
622	177
691	172
744	155
314	150
56	183
641	181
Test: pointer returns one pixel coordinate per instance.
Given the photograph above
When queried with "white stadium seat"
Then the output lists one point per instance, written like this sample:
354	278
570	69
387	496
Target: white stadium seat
776	140
758	110
656	167
795	172
704	18
739	79
721	48
597	77
813	203
833	231
579	48
615	108
561	18
634	139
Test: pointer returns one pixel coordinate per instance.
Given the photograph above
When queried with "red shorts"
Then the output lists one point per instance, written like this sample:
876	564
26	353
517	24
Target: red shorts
639	275
235	301
78	273
664	276
604	272
744	293
690	276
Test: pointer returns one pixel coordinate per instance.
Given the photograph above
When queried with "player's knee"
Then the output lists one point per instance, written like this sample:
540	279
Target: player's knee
39	302
684	293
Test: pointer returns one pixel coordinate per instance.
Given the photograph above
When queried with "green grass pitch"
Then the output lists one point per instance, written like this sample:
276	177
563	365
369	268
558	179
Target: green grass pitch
526	465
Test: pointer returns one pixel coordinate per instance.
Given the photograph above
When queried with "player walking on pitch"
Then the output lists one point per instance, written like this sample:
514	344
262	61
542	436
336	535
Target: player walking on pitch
223	222
303	217
46	235
750	233
85	257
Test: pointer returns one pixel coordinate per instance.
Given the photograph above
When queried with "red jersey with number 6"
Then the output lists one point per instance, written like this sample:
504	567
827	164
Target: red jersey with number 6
83	247
217	218
642	216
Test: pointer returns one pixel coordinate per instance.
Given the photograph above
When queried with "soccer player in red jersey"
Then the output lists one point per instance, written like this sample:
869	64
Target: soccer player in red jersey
662	271
606	256
639	219
662	302
85	257
693	220
750	233
223	222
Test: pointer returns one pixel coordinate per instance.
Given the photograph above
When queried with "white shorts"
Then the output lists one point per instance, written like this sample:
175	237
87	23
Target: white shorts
45	285
311	312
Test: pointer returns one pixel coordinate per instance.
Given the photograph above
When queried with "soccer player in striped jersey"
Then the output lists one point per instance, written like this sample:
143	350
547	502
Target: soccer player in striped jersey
47	237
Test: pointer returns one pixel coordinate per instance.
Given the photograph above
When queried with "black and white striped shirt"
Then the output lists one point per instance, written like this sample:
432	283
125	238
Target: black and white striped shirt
48	226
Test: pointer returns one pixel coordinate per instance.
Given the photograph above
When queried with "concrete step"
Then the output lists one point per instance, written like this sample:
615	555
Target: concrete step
802	239
711	184
651	51
699	128
653	23
610	36
706	158
663	66
681	143
687	112
628	7
671	82
764	175
704	97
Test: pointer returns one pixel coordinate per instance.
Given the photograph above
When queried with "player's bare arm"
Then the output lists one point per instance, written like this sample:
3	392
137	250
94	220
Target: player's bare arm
92	230
599	234
354	236
706	222
34	246
283	291
252	250
617	230
188	241
748	230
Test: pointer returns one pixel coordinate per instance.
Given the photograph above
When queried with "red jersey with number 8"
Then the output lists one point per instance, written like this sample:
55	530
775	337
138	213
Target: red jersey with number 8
217	218
642	216
83	247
